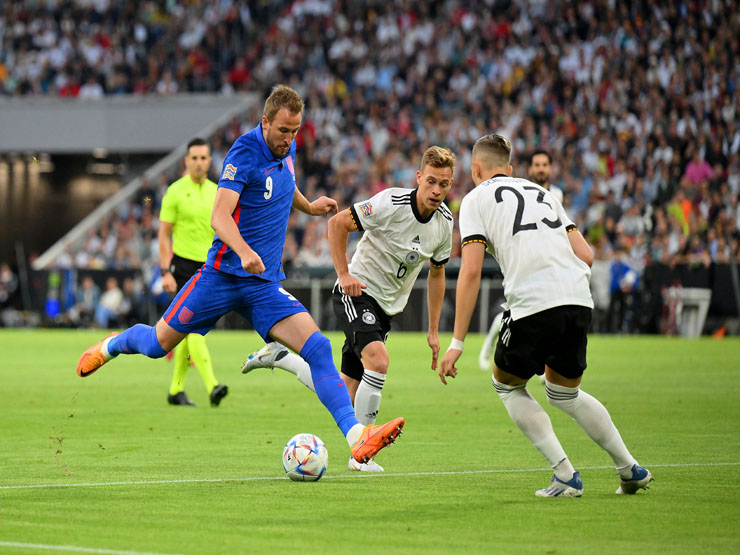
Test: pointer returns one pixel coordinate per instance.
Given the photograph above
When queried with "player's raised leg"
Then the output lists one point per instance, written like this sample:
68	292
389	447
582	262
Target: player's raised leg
151	341
195	308
300	333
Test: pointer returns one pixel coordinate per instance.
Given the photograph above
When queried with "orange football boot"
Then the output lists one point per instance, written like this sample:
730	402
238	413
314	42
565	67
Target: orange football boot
92	359
374	438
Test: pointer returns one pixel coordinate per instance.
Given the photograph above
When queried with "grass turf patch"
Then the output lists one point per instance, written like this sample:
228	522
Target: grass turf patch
461	478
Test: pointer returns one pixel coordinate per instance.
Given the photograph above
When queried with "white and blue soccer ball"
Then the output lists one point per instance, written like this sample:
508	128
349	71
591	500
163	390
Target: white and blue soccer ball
305	458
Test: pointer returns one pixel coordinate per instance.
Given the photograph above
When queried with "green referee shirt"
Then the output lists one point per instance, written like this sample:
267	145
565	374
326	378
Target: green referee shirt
187	206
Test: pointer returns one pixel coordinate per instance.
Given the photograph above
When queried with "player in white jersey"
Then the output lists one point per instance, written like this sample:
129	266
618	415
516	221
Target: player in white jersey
546	267
540	166
403	228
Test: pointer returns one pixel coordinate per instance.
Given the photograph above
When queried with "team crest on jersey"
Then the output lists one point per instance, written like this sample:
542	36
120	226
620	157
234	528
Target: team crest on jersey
366	209
368	318
185	315
289	162
412	257
229	172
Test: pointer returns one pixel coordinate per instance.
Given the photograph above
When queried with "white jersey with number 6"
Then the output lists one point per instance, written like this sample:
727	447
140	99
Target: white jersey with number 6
524	228
396	243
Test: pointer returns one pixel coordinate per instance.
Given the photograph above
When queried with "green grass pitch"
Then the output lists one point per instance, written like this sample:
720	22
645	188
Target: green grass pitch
110	467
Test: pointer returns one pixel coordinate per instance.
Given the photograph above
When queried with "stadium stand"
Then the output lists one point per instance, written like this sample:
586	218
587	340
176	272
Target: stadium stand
637	102
86	49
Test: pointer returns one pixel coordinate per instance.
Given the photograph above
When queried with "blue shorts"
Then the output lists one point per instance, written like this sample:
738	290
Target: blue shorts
210	294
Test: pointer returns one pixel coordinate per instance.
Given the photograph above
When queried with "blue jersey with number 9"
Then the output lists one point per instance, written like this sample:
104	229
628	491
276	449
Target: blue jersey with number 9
266	185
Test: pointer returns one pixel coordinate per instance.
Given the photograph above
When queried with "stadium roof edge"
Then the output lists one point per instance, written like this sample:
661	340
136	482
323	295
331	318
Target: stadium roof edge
125	123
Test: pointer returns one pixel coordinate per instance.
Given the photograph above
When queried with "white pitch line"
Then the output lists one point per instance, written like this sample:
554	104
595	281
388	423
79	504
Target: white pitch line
74	549
145	482
344	476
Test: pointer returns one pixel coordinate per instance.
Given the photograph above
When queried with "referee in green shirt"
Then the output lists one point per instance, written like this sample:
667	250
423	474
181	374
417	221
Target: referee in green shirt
185	235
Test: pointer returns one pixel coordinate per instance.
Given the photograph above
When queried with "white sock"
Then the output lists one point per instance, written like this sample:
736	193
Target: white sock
534	423
354	434
593	417
368	395
296	365
104	349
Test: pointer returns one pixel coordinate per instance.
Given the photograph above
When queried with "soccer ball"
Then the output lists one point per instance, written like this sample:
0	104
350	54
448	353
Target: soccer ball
305	458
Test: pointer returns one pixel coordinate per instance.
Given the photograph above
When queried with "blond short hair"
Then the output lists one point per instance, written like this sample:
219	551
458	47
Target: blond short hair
493	151
438	157
282	97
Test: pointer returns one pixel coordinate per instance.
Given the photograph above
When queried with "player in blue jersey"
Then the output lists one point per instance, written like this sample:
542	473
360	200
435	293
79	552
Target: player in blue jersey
243	271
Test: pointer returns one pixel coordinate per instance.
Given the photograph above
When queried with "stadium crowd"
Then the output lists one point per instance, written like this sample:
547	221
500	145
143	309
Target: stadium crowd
637	103
90	48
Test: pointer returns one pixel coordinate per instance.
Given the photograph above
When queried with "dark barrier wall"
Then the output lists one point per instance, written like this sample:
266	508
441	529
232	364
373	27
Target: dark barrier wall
716	277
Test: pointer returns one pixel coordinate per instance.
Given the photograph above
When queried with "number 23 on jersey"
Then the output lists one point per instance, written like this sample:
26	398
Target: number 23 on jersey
521	203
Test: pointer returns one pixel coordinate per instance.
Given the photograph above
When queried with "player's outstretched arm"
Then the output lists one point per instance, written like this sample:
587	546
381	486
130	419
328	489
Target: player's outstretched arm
223	224
468	284
320	207
580	247
435	296
339	228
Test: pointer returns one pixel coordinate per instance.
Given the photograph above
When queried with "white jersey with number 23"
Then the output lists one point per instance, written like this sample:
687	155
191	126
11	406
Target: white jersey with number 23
524	228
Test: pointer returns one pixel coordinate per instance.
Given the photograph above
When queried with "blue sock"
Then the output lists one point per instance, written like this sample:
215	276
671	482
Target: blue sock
328	384
137	339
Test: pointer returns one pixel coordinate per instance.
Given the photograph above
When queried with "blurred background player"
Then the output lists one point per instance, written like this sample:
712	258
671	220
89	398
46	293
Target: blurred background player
546	265
185	235
243	271
540	168
403	228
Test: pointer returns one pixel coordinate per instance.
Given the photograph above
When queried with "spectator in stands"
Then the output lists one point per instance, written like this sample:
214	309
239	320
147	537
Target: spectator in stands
290	255
86	302
698	170
624	281
131	309
8	286
53	44
107	311
91	90
167	85
315	251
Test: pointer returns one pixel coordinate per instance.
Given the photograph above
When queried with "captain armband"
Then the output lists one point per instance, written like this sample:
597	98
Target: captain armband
474	239
355	219
571	227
